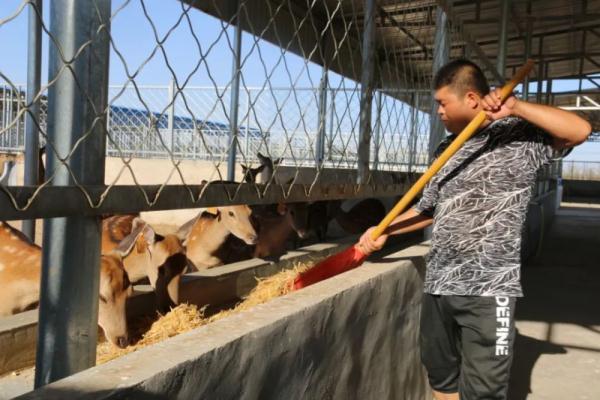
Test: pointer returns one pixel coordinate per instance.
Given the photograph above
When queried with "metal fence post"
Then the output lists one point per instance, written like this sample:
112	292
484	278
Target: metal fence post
322	112
331	134
540	72
527	50
441	54
366	92
247	124
548	89
501	60
34	67
171	114
19	100
68	315
377	137
235	96
582	59
417	123
412	139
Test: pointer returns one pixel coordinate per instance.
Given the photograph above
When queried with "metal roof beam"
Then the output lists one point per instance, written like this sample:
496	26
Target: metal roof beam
447	7
396	24
544	34
410	7
594	81
550	18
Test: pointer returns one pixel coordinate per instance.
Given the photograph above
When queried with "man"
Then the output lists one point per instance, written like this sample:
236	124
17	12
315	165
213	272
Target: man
477	203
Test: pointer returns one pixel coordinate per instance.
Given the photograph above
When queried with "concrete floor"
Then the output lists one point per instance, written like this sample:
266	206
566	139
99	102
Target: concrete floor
557	354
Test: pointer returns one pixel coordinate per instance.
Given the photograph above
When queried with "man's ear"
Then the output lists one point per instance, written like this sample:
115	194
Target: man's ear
473	99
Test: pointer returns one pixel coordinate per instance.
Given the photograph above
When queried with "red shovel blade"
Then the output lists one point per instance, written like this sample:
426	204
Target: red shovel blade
348	259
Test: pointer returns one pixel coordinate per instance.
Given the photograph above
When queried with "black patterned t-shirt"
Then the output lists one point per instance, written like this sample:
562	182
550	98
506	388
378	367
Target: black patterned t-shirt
478	201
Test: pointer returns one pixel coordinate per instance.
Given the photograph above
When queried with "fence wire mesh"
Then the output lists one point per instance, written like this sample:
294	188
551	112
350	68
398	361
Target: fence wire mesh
177	97
581	170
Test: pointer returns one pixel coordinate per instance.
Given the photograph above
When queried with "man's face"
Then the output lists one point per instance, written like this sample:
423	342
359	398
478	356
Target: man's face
454	110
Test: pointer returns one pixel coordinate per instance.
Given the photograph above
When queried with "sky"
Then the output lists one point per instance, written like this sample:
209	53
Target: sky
133	36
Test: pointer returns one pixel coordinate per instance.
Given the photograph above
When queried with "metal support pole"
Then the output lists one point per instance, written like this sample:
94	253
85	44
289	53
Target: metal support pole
377	138
582	60
34	68
19	100
366	93
540	74
331	133
412	140
171	114
247	125
320	142
527	50
68	315
441	56
501	60
417	123
235	97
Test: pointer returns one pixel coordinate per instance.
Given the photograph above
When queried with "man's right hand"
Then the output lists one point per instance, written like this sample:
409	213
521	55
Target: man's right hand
366	243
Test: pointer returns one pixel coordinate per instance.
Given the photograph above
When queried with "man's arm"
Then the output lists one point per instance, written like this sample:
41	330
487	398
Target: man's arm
567	128
408	221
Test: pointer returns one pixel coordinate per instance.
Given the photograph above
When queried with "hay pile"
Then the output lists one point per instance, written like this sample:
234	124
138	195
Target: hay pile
182	318
266	289
186	317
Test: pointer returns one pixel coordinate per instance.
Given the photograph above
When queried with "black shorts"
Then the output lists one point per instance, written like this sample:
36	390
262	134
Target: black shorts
467	344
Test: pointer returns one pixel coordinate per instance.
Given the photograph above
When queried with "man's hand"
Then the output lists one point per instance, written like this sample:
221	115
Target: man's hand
494	108
367	245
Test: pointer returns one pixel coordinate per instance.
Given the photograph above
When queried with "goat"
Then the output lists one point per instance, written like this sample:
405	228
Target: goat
153	256
275	230
206	233
266	167
250	174
20	273
269	167
320	213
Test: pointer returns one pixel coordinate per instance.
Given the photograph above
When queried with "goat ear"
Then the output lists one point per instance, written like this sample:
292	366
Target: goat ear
281	208
260	168
136	223
126	245
212	210
146	239
244	167
278	161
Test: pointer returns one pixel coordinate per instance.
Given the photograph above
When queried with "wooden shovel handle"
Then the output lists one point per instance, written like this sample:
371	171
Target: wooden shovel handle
466	133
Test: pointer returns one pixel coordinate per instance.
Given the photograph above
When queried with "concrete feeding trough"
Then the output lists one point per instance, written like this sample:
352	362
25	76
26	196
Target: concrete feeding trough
216	286
352	336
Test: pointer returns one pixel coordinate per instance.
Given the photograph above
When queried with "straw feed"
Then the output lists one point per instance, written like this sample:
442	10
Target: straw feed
180	319
186	317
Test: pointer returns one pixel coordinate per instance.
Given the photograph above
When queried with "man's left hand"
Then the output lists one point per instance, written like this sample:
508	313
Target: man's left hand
494	108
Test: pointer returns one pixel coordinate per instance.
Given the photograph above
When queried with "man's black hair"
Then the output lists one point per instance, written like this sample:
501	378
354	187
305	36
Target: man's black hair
462	76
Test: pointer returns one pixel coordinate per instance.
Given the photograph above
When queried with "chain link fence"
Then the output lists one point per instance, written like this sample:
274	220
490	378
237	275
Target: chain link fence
135	132
581	170
340	88
144	105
